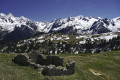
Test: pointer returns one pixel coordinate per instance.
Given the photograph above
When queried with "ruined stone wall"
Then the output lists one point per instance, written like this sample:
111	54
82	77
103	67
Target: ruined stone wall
51	65
21	59
54	60
52	70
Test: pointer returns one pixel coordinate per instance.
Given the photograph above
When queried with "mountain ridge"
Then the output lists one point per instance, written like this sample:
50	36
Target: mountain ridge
24	28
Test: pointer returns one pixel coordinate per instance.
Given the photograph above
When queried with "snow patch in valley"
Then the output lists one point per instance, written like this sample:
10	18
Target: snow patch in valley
108	37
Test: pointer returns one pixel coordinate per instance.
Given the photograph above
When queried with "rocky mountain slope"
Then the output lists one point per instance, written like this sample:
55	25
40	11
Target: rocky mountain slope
18	28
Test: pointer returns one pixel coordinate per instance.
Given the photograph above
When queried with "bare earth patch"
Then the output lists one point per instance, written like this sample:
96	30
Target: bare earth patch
95	72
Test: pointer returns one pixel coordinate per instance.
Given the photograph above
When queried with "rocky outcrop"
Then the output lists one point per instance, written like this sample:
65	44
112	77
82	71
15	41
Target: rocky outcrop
49	65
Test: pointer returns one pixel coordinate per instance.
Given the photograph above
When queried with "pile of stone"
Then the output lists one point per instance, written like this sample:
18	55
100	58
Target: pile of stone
50	65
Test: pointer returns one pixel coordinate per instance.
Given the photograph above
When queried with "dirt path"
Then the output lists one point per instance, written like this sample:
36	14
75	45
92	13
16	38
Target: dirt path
100	74
95	72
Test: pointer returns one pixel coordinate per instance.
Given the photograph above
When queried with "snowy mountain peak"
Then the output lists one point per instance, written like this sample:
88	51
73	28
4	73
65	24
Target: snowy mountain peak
80	16
2	14
116	19
10	15
23	18
71	25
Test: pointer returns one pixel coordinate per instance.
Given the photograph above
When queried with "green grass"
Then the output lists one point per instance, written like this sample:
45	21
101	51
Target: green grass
106	64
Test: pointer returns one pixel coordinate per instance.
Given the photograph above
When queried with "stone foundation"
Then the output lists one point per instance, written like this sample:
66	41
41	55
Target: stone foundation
50	65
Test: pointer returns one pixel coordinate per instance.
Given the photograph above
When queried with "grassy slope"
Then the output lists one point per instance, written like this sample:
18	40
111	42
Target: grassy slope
107	64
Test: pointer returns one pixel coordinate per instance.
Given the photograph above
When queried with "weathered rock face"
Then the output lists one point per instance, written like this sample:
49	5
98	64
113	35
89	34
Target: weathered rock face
50	65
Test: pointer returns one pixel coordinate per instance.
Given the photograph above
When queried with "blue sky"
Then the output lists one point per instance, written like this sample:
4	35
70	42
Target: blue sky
47	10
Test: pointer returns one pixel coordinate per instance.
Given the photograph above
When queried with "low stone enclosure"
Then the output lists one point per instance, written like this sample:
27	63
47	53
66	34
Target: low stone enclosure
49	65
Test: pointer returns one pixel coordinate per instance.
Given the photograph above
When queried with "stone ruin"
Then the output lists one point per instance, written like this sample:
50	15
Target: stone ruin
49	65
52	70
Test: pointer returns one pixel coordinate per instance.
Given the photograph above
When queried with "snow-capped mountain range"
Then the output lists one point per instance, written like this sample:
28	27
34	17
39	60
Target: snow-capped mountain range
17	28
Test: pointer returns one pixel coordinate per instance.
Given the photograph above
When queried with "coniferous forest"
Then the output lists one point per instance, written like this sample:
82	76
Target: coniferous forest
51	47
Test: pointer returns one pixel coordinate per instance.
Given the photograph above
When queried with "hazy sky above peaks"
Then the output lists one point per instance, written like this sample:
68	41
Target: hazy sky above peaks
47	10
